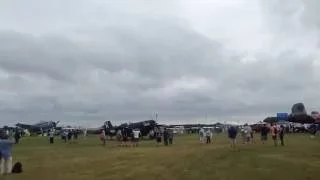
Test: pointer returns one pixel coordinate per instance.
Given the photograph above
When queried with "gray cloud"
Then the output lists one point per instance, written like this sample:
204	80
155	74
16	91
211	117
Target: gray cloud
87	64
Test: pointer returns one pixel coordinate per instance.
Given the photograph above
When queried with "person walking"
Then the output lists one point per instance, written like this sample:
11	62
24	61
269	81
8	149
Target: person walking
281	135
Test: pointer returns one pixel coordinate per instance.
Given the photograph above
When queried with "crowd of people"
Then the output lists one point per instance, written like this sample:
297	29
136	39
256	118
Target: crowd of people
131	138
247	134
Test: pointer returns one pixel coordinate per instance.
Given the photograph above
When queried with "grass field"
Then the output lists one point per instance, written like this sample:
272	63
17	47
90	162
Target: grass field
186	159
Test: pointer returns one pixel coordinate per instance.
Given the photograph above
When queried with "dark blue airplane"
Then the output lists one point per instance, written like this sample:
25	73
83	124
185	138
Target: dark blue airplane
39	128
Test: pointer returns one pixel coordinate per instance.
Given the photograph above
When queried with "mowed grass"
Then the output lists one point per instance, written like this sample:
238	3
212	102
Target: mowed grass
186	159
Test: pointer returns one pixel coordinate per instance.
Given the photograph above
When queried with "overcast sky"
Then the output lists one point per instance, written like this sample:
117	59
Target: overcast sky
86	61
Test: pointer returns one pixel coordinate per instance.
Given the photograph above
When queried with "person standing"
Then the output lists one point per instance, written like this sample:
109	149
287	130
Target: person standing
248	133
264	133
201	134
65	136
103	137
17	136
136	137
51	136
208	136
85	133
232	134
125	136
6	155
158	137
165	137
274	134
70	136
170	136
75	135
281	135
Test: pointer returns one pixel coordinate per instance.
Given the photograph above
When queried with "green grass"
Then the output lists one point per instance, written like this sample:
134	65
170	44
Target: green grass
186	159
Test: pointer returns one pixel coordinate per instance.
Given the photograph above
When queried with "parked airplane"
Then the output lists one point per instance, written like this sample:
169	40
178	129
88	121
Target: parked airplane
299	115
316	116
146	128
40	127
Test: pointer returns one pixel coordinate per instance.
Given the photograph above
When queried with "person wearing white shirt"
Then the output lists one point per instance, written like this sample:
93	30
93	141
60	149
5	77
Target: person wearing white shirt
208	136
201	134
248	131
136	136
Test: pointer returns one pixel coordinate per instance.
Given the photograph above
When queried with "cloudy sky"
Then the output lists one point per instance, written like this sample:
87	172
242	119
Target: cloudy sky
86	61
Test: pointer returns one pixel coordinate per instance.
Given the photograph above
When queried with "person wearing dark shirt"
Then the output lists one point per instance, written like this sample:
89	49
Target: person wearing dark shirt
125	136
158	137
17	136
69	136
75	135
281	135
165	137
232	134
264	133
170	136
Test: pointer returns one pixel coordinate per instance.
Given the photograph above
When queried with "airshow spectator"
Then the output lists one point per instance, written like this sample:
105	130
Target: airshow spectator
165	137
158	137
51	136
281	134
208	136
69	136
136	137
170	136
248	133
6	156
103	137
264	133
17	136
274	134
232	134
125	136
201	134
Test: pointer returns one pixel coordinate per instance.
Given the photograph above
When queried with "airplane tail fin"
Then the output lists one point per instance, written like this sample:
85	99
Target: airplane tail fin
108	124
